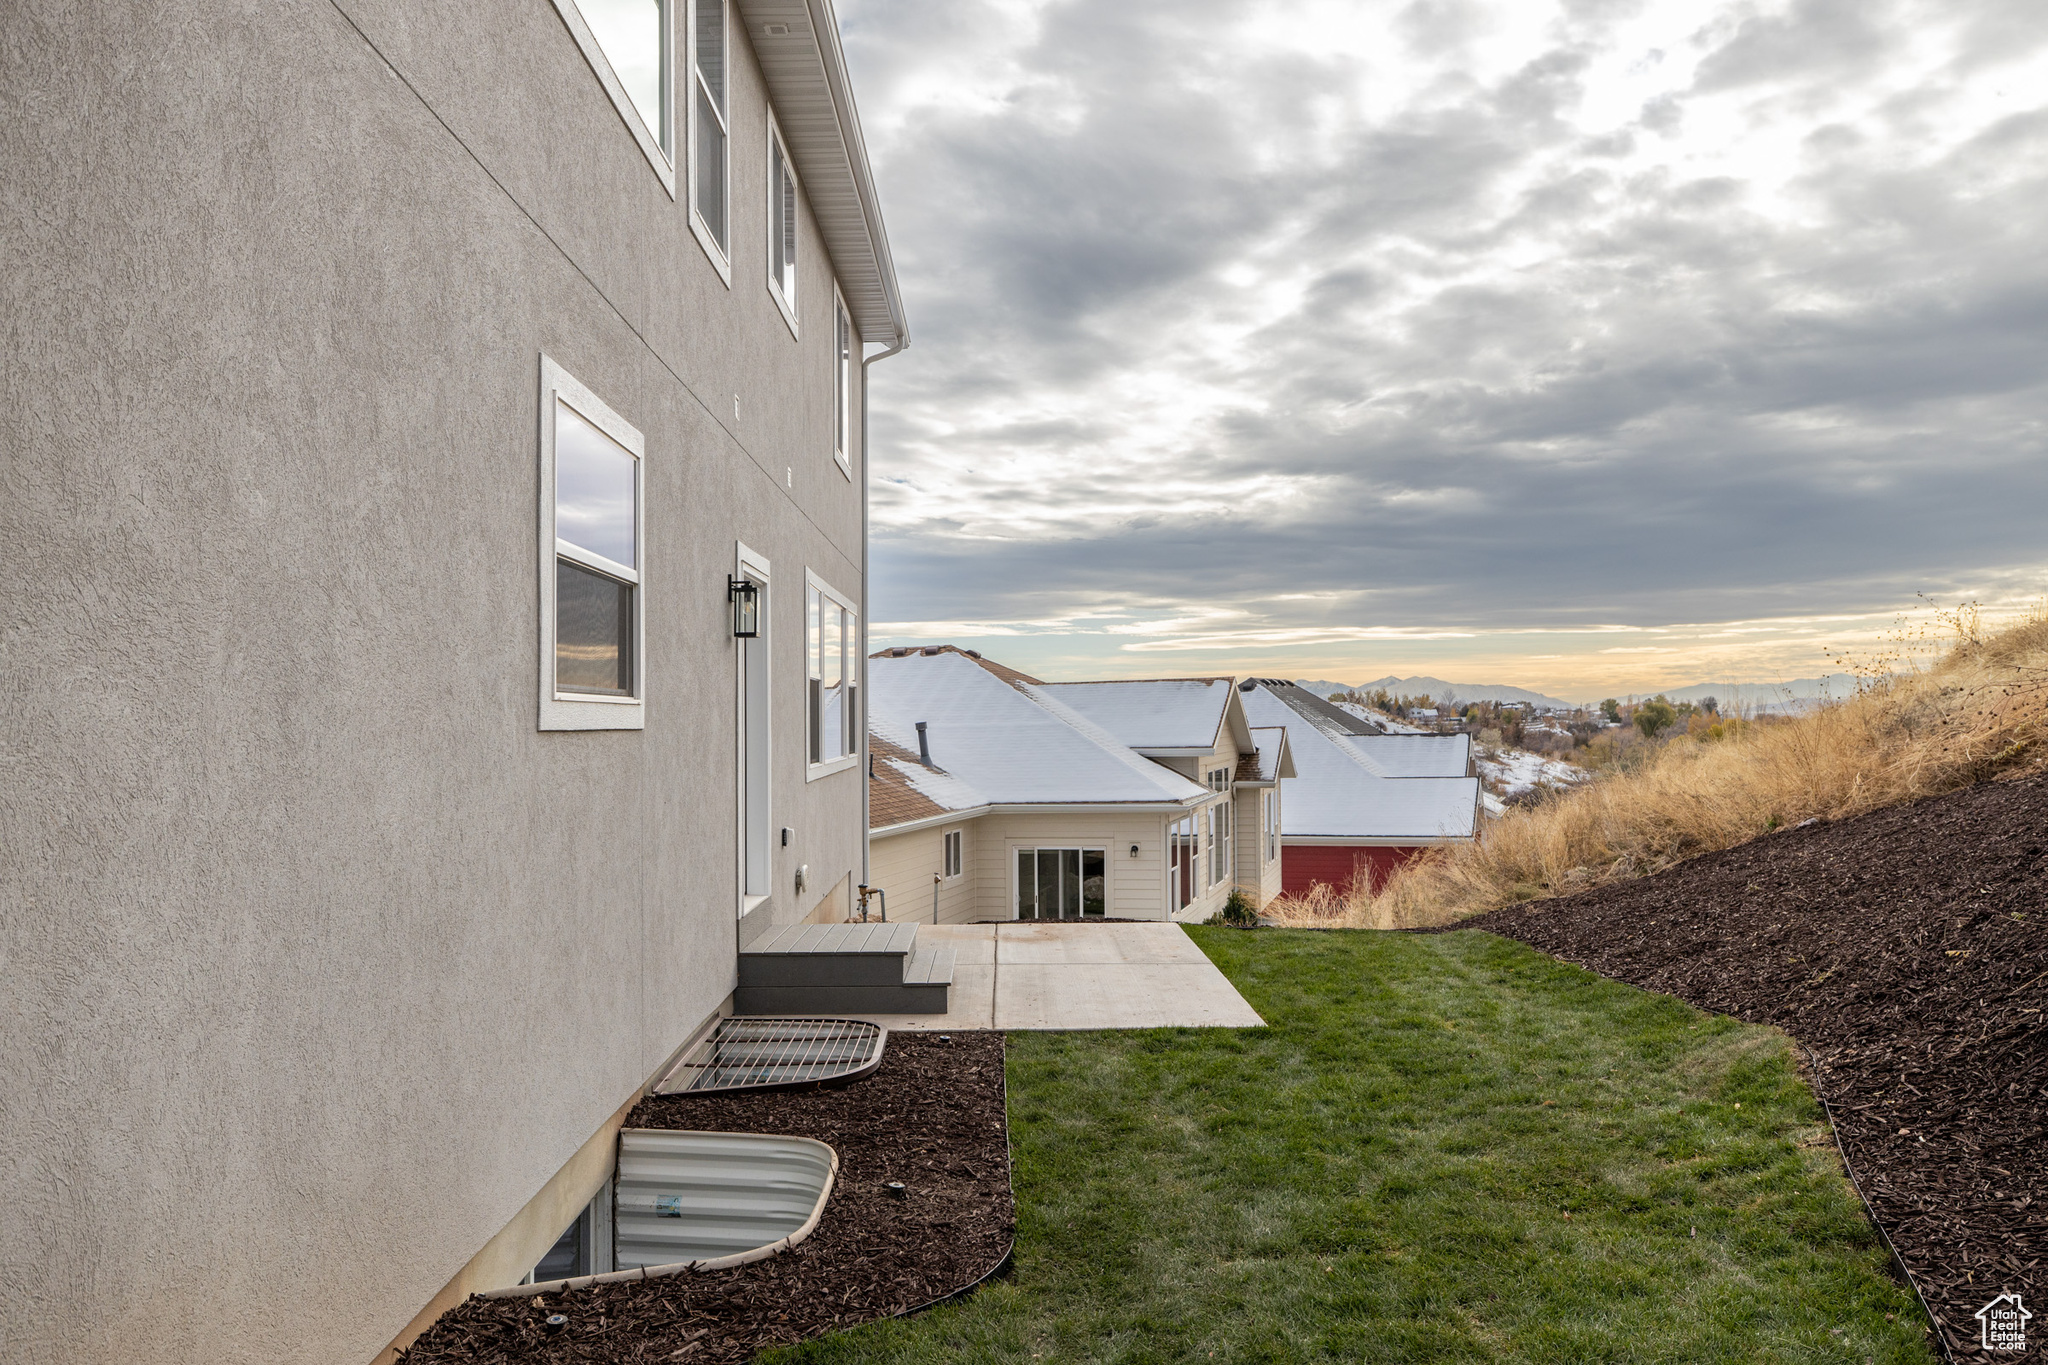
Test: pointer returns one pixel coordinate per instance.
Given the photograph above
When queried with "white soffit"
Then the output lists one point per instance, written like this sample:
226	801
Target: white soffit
807	83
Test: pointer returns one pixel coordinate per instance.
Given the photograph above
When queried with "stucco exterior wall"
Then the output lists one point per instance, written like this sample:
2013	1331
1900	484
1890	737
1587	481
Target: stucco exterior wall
321	959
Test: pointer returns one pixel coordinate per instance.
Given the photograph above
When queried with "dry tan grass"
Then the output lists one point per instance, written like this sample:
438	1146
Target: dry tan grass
1979	710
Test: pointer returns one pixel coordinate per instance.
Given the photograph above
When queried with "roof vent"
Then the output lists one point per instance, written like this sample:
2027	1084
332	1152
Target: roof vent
1248	684
974	654
930	650
898	652
924	746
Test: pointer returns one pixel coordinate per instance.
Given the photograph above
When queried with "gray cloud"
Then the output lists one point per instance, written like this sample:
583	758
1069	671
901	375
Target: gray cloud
1212	322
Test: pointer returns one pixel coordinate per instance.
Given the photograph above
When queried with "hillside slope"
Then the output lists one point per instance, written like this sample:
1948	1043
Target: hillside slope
1980	711
1907	948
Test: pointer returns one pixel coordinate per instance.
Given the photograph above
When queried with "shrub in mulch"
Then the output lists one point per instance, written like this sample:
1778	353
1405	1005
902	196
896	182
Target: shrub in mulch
1907	950
931	1116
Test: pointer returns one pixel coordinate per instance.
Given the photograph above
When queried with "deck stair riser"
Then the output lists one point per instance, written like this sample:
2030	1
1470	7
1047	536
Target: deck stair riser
843	969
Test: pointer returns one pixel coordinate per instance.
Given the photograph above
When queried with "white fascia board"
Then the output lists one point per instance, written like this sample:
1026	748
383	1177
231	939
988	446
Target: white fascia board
1044	808
1240	727
805	70
1374	840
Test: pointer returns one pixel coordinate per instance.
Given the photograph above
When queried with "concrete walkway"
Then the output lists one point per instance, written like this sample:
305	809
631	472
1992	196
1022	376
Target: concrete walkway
1027	975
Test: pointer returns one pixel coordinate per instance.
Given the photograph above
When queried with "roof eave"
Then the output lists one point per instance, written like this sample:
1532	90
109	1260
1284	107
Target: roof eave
808	86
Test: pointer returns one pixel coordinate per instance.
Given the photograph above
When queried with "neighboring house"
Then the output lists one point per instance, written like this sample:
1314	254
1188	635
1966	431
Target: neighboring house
1361	802
403	399
996	796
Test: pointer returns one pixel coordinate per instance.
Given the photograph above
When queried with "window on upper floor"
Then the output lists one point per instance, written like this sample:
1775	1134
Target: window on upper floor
710	131
832	700
591	533
781	228
842	386
629	43
952	860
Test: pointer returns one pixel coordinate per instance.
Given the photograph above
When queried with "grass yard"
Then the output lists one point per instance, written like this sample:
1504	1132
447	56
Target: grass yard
1444	1148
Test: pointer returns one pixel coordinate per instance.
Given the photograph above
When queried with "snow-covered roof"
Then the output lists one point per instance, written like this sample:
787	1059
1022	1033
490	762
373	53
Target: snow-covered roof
1269	759
994	741
1156	714
1415	755
1338	793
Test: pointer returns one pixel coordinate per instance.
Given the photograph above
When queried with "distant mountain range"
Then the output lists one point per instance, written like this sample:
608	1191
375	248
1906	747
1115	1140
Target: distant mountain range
1438	689
1747	696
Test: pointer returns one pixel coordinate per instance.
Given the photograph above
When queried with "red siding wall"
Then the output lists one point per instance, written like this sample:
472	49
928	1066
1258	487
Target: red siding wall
1337	865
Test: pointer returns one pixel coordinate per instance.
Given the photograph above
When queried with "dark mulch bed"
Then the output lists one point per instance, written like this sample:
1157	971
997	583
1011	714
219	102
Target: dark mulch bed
930	1116
1908	951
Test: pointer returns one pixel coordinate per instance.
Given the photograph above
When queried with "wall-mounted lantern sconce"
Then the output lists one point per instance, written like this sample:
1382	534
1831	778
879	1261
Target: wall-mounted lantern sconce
745	596
1134	850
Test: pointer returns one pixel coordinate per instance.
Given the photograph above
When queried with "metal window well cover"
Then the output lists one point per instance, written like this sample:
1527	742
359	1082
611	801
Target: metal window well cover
776	1054
706	1201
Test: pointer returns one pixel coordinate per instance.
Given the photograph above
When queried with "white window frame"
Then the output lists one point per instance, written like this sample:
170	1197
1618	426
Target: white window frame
721	255
953	853
578	710
784	301
1181	848
850	653
662	159
1272	822
1016	846
843	386
748	564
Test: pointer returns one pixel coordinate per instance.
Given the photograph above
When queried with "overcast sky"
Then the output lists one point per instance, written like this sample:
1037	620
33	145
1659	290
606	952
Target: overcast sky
1587	345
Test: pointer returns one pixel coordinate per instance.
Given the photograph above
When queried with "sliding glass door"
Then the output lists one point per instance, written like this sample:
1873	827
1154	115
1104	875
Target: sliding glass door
1061	883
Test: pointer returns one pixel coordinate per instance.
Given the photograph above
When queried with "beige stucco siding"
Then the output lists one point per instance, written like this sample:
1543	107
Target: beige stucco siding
322	959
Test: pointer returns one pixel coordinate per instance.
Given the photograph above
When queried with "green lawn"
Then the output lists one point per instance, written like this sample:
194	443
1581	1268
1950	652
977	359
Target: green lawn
1444	1148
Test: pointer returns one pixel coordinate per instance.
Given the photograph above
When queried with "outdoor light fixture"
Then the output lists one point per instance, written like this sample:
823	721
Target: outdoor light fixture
1134	850
745	596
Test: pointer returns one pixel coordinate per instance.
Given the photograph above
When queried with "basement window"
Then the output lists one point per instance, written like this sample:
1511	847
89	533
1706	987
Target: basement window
591	666
584	1248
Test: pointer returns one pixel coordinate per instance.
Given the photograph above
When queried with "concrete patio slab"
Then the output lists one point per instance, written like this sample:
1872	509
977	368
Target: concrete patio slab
1097	943
1088	995
1077	976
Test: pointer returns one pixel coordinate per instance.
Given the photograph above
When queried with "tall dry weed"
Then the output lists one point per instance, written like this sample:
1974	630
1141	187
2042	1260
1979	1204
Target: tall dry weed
1977	711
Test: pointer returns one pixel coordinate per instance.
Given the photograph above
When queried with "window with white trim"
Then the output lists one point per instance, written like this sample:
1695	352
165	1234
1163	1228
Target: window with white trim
1272	825
591	560
950	858
842	386
710	136
1219	842
832	701
1180	863
781	228
628	44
